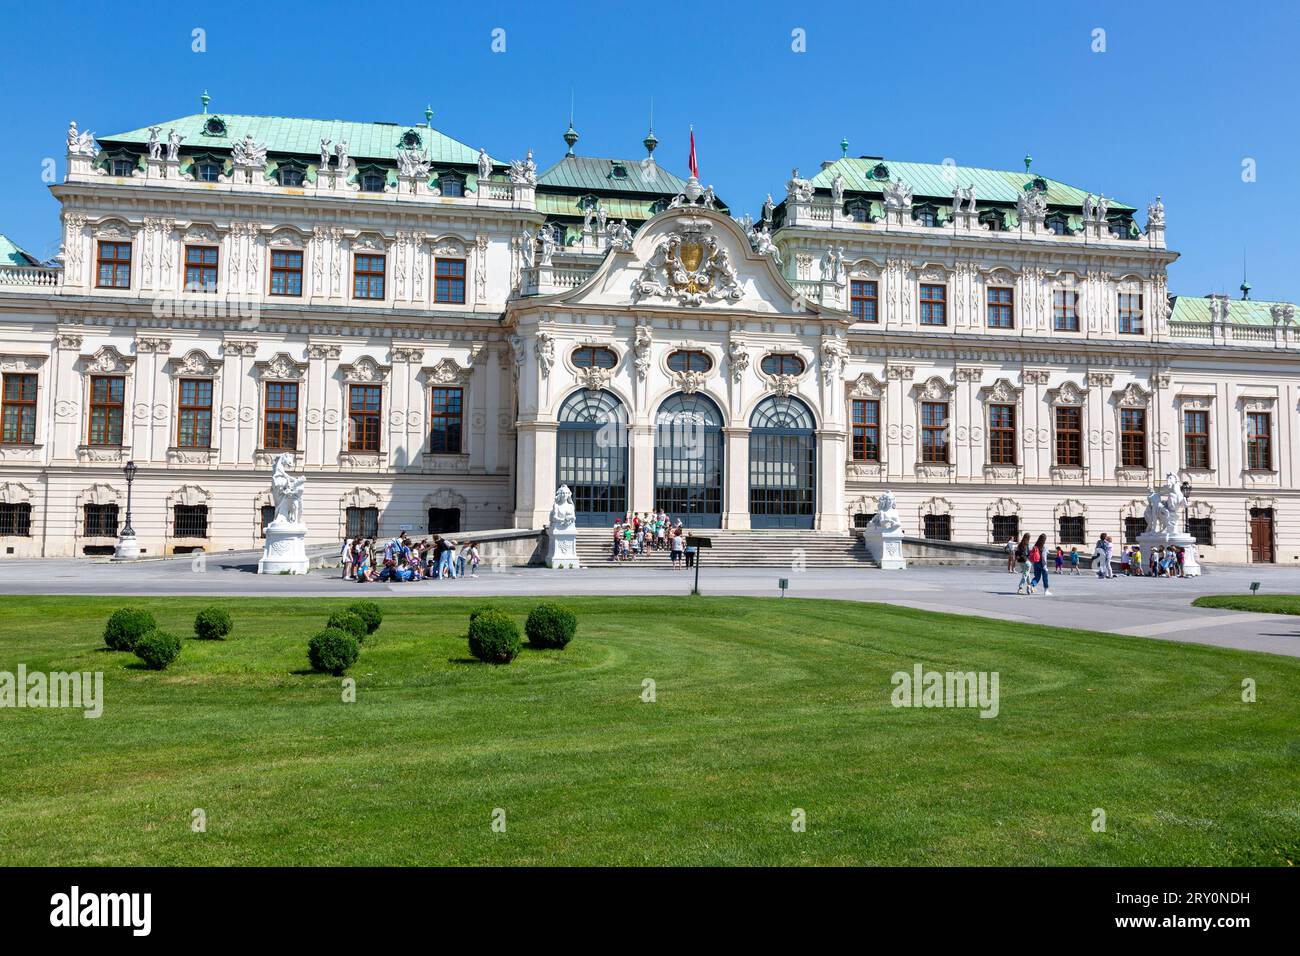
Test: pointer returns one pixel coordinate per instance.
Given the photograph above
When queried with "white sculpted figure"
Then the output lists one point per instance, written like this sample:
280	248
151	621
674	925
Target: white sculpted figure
484	164
245	152
563	515
837	189
524	171
341	151
710	200
1163	507
155	143
887	517
286	491
768	208
764	245
526	248
174	140
1156	213
898	195
620	236
80	144
602	217
325	153
412	164
549	242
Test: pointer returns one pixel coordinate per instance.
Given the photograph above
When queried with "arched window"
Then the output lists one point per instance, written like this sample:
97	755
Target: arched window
593	356
782	464
591	455
780	363
689	360
688	460
290	176
207	172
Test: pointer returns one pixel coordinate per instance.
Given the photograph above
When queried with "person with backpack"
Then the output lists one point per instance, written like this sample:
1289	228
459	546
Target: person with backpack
1022	562
1038	558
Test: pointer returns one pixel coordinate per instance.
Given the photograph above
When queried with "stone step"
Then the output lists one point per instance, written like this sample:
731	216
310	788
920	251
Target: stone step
761	549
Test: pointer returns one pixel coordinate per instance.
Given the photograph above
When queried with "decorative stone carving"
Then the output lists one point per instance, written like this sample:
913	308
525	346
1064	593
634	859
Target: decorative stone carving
689	382
737	359
1132	395
783	385
80	144
195	363
835	354
286	535
246	152
592	378
898	196
690	266
544	349
281	367
365	371
866	385
883	536
641	346
523	172
797	189
448	372
1156	213
562	532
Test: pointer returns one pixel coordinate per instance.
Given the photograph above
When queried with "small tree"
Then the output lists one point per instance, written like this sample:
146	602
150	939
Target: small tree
332	651
551	625
158	649
494	637
213	624
126	626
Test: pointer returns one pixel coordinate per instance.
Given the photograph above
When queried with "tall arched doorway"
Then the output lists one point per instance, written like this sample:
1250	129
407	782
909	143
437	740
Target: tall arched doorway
591	456
688	460
782	464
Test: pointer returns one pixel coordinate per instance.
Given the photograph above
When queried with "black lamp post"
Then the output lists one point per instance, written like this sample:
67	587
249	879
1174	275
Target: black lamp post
129	470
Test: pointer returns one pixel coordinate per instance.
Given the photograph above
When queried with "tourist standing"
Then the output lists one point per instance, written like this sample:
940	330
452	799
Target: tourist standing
1010	549
1038	558
1022	562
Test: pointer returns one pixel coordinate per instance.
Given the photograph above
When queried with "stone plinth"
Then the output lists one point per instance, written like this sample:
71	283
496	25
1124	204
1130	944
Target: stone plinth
1149	541
885	548
285	549
128	548
562	548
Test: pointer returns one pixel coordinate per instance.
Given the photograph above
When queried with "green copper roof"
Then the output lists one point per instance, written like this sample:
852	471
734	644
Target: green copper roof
302	137
13	255
598	176
1240	311
616	207
938	181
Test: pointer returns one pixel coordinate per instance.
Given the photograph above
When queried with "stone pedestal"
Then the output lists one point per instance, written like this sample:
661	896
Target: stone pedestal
562	548
1150	541
885	547
285	549
128	548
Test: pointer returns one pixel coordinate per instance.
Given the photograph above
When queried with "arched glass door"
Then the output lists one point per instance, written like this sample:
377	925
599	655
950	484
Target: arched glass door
782	464
688	460
591	456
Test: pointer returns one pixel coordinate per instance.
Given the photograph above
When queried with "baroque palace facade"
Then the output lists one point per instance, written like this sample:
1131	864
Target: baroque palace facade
441	338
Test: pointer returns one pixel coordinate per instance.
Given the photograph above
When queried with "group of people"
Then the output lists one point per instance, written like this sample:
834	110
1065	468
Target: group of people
640	533
400	559
1030	560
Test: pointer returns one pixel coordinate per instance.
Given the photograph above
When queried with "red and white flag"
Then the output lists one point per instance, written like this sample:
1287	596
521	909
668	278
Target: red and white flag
694	166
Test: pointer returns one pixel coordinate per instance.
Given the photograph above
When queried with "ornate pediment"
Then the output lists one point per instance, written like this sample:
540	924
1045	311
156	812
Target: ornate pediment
689	265
447	372
934	389
106	361
195	362
1067	394
1133	395
364	371
866	385
281	367
1001	392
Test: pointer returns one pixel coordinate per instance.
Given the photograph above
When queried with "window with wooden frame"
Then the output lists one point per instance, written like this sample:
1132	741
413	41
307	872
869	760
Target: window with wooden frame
1065	310
449	281
365	403
864	300
19	412
999	305
201	268
280	417
866	429
286	272
107	401
934	304
113	265
1259	445
934	433
446	421
780	363
689	360
1069	435
1130	313
368	276
1002	434
593	356
1196	439
194	418
1133	437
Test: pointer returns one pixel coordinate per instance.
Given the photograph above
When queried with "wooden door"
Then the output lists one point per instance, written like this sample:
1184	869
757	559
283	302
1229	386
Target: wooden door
1261	535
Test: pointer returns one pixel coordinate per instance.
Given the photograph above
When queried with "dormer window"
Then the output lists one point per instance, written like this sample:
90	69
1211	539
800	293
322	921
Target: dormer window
994	220
207	172
373	181
215	126
859	210
880	172
1059	224
290	175
925	216
618	171
449	184
123	167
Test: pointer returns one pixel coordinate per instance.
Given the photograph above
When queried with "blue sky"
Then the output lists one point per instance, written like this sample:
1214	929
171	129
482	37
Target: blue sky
1181	96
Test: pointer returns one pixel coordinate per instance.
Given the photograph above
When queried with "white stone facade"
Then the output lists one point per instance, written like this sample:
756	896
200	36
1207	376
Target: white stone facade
513	348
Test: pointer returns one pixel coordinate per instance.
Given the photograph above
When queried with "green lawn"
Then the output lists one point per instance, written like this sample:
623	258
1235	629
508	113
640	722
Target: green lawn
1262	603
763	706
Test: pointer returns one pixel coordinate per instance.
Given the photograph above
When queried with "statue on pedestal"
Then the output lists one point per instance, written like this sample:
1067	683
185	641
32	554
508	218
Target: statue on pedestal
883	537
286	536
562	532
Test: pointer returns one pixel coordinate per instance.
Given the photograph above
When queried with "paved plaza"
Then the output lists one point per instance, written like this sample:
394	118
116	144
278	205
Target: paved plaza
1142	607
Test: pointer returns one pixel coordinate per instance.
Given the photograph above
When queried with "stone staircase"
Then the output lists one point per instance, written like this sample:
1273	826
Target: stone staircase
746	549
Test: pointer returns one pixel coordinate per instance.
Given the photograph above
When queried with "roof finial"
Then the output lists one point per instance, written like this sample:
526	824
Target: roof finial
844	147
570	134
650	141
1028	160
206	100
428	116
1245	286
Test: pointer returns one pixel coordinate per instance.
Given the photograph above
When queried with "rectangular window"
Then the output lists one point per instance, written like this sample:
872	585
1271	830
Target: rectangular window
1065	310
19	409
934	305
1132	528
201	268
445	421
362	523
1000	307
1259	449
114	266
1130	313
190	521
934	432
99	521
15	520
449	281
280	418
368	277
364	405
1133	437
1002	434
286	272
267	515
863	300
1070	530
866	430
1196	439
107	396
194	427
1069	435
938	527
1004	527
1202	529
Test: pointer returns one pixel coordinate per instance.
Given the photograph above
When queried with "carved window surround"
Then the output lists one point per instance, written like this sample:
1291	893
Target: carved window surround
193	457
104	454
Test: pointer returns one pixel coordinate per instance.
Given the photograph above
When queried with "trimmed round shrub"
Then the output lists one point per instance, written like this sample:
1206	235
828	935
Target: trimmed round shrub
370	612
550	625
126	626
213	624
158	649
494	636
345	620
332	651
481	609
